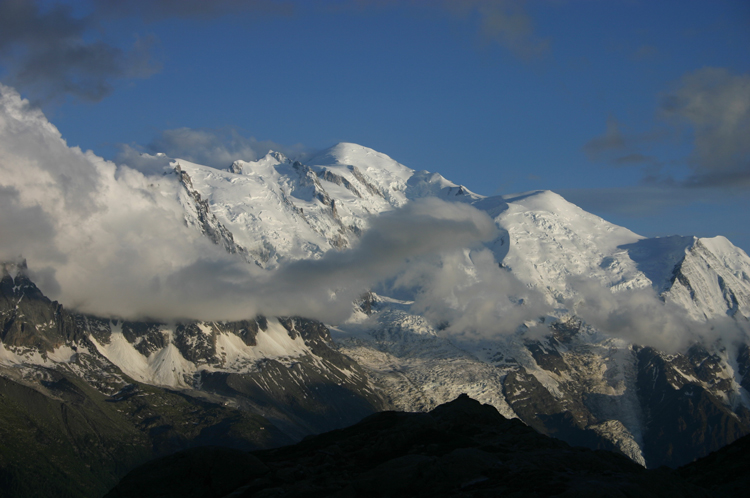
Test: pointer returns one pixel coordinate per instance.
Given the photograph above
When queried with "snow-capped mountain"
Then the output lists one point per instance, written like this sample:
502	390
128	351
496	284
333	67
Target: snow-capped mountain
582	329
573	372
277	210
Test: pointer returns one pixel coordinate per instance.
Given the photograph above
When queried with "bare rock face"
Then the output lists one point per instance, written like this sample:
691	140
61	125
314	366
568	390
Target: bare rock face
685	419
28	320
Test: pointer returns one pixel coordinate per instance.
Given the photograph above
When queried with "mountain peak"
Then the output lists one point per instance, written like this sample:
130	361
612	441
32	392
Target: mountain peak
721	246
272	158
348	153
544	200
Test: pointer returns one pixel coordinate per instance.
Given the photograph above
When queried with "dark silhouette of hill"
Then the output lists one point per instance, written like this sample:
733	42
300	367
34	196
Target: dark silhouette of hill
461	448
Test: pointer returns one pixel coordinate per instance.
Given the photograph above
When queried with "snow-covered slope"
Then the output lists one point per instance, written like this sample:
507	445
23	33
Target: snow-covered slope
550	240
275	210
712	280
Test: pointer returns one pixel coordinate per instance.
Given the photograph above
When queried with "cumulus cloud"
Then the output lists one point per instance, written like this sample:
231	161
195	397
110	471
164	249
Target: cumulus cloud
91	224
51	53
112	241
471	296
715	104
211	147
24	226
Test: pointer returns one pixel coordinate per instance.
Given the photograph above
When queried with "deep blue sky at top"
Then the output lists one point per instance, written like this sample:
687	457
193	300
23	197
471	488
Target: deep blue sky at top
613	103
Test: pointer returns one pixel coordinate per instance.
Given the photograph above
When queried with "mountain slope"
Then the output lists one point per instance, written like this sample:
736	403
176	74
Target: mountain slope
279	210
85	399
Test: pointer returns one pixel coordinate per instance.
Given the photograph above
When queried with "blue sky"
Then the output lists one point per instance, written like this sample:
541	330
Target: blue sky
638	111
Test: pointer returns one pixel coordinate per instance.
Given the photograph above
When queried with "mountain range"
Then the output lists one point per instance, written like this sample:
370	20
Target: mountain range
350	284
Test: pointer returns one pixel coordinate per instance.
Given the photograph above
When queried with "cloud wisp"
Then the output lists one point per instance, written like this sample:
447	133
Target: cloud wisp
326	287
641	317
471	296
620	148
217	148
157	10
504	22
50	52
709	111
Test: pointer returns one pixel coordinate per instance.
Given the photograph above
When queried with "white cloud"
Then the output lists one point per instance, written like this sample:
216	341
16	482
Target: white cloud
470	295
112	241
641	317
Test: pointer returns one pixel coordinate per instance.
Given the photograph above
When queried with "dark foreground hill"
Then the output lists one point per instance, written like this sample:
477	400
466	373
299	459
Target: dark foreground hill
461	448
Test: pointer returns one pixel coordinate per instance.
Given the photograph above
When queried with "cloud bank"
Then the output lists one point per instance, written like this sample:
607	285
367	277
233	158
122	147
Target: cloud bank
470	296
112	241
641	317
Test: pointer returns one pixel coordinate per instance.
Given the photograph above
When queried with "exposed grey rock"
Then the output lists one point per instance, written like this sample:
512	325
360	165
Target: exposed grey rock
207	222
